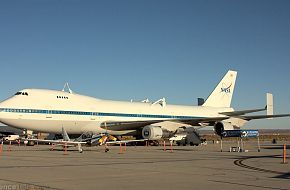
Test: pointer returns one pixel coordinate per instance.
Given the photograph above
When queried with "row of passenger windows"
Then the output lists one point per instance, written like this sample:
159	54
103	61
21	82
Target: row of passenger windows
70	112
62	97
21	93
23	110
44	111
91	113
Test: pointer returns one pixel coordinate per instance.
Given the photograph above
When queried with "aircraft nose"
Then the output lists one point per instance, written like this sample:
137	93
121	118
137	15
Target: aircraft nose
1	111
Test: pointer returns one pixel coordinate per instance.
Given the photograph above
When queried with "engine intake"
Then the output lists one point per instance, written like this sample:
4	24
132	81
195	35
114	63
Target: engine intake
221	126
154	133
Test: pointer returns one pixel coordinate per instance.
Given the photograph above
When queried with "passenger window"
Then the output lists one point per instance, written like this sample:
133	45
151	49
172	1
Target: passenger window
62	97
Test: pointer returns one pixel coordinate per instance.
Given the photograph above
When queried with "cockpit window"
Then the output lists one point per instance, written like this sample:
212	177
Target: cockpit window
21	93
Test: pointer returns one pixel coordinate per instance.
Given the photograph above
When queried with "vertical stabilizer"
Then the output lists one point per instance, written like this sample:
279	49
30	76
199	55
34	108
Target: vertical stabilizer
65	135
222	94
270	110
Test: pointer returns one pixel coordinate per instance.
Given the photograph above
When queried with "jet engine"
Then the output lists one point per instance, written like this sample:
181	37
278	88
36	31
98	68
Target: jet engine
154	132
221	126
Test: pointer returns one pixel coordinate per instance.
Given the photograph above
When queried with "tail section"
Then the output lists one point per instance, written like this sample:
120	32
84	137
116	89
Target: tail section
222	94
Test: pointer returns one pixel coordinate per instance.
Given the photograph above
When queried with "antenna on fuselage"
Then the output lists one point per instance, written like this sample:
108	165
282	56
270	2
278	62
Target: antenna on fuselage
66	85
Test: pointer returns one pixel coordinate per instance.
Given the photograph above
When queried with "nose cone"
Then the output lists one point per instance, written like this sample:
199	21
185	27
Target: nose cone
1	111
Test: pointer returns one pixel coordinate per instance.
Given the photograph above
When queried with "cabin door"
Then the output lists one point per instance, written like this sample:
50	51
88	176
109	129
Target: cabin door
93	116
48	113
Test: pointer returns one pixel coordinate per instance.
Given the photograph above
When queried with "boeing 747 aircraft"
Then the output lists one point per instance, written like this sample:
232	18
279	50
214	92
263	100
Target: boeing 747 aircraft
51	111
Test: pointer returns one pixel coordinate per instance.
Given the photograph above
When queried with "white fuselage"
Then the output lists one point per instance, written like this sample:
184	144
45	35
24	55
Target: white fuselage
50	110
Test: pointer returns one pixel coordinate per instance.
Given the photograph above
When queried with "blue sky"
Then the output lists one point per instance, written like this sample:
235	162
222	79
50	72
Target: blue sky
136	49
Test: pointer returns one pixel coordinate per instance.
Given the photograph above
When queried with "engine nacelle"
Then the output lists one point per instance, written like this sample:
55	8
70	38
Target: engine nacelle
221	126
154	132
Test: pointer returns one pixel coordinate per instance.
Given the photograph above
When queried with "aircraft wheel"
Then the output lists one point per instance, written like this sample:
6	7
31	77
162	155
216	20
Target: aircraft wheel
30	143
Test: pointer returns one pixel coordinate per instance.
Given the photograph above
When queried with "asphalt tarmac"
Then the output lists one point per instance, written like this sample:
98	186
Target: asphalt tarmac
186	167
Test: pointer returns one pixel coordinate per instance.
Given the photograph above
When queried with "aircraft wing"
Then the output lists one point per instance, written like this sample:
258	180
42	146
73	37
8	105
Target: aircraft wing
127	125
213	120
242	112
62	143
133	125
199	121
58	141
250	117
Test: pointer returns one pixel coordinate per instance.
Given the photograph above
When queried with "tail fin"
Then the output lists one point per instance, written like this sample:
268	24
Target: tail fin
223	92
270	110
65	135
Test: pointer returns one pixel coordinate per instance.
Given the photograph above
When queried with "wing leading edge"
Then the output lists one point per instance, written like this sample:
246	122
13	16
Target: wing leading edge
207	121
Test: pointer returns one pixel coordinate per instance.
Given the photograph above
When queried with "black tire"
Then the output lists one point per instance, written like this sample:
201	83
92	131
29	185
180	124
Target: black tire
30	143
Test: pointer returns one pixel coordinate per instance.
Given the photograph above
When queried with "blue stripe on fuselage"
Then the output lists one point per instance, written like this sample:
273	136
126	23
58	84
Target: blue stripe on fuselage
62	112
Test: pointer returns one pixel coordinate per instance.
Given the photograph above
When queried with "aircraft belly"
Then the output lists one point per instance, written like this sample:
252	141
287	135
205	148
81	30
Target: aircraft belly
49	126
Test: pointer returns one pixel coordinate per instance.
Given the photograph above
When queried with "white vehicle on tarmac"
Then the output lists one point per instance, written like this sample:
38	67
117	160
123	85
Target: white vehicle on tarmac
11	138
